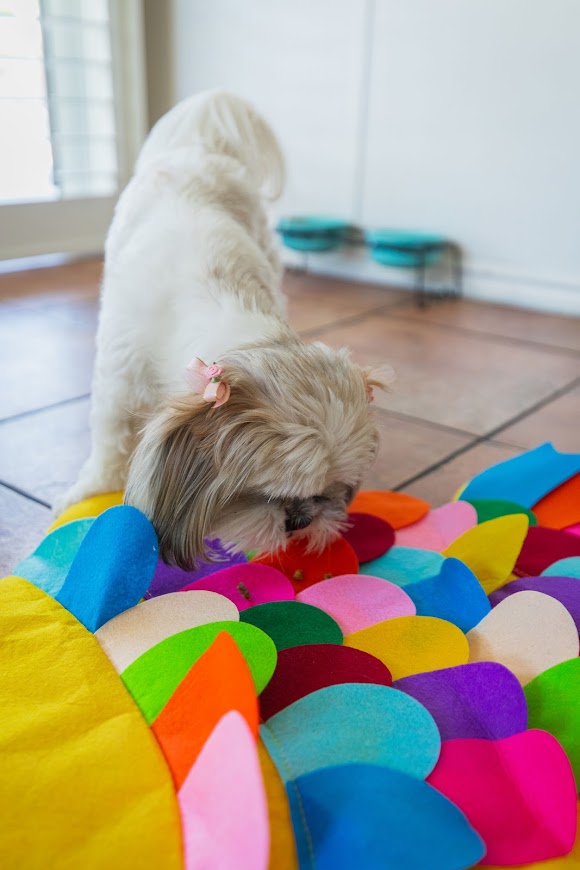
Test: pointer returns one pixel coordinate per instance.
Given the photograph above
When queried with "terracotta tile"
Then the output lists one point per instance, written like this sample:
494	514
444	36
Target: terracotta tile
407	448
454	379
46	355
43	452
23	524
558	422
440	486
315	301
501	320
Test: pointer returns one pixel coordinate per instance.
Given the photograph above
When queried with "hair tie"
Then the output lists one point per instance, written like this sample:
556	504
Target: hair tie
208	381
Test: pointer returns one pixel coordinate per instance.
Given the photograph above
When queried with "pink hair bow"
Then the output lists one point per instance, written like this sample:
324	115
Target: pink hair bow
208	380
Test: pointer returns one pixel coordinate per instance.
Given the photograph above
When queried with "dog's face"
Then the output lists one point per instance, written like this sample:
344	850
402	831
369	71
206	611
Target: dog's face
281	459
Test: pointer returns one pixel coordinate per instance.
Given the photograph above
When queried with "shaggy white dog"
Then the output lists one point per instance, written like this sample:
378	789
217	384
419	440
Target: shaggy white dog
252	436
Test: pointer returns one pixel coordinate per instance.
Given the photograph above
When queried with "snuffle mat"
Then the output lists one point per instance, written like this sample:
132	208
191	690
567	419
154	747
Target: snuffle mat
410	698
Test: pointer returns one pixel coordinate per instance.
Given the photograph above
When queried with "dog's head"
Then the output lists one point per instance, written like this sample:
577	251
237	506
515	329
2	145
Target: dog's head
282	457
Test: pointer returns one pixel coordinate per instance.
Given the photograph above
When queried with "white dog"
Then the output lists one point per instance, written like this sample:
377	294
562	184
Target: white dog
252	436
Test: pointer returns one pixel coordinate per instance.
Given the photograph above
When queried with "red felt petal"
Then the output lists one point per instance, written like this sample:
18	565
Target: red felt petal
370	537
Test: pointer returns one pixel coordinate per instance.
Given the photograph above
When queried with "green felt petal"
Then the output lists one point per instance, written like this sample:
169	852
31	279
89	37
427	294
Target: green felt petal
491	508
292	623
155	675
554	705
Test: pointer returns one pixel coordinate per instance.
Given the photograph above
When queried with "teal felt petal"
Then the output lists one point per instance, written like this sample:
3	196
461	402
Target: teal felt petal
524	479
455	594
569	567
352	723
113	567
404	565
48	566
375	818
293	623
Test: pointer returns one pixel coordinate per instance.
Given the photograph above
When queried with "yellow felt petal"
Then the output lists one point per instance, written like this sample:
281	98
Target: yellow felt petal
90	507
570	860
282	845
84	783
491	549
412	644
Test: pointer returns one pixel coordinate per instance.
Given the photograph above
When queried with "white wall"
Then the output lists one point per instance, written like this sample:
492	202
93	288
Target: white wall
457	116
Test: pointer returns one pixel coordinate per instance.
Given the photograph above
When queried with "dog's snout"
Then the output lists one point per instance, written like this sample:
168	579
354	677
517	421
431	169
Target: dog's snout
296	522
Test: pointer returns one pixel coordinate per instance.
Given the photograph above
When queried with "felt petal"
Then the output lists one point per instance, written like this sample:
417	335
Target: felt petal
83	780
128	635
561	507
291	623
526	478
373	817
48	566
396	508
439	528
566	590
282	843
563	568
518	792
528	633
303	568
352	723
218	682
357	601
404	565
169	578
247	585
89	507
542	547
223	804
573	530
155	675
482	699
554	705
112	568
301	670
491	549
492	508
572	859
455	594
412	644
369	536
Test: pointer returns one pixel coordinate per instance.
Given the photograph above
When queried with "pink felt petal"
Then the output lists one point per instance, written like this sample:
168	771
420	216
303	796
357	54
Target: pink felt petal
439	528
357	601
518	793
573	530
222	802
247	585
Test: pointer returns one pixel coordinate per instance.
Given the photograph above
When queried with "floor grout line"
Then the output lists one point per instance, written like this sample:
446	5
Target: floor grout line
62	403
25	494
490	436
351	320
410	418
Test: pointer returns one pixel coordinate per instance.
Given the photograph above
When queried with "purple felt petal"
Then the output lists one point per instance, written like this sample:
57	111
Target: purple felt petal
481	699
565	589
168	578
369	536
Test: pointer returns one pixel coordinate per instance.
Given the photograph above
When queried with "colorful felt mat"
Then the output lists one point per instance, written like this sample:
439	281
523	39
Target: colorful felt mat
407	698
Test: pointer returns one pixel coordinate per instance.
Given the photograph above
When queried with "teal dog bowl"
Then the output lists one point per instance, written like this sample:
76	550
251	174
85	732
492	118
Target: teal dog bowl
406	250
308	234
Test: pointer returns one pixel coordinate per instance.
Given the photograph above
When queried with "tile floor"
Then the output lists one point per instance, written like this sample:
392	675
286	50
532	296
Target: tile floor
476	384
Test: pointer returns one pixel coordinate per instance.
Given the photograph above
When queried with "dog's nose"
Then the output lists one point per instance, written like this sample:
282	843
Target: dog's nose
295	522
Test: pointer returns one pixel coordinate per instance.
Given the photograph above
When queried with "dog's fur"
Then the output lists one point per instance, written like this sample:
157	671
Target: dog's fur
191	270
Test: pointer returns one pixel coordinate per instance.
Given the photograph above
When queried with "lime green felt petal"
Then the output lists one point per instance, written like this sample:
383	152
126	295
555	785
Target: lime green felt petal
153	677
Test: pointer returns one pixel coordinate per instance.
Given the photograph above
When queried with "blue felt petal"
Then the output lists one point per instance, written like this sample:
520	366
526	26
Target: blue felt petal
455	594
112	568
404	565
569	567
526	478
48	566
352	723
375	818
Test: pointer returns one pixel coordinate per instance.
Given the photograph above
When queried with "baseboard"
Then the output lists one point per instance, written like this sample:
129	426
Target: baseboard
481	281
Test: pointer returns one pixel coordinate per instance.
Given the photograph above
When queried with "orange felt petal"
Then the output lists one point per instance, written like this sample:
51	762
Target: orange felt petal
561	507
396	508
218	682
303	568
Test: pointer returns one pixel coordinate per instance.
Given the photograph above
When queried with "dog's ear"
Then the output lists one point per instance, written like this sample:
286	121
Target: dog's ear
174	482
382	378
